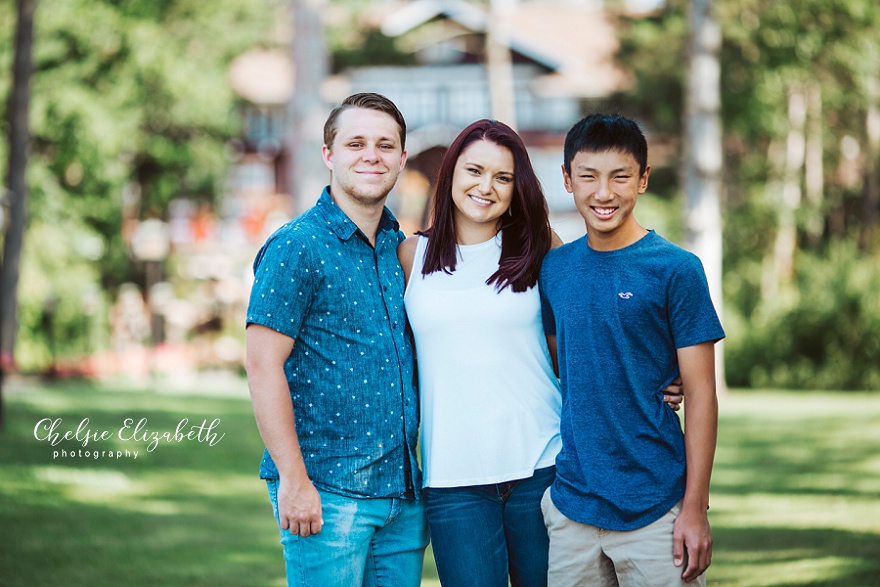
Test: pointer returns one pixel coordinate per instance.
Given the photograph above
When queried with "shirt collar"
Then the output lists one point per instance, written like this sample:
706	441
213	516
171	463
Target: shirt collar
342	224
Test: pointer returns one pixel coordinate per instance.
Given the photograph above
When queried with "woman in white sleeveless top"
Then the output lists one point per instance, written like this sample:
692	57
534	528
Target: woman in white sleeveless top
490	401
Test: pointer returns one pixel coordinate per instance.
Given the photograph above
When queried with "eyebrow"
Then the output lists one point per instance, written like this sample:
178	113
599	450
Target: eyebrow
625	168
472	164
361	137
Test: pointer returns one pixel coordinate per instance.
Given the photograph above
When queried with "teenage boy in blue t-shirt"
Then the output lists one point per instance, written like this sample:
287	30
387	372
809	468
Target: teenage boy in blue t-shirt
631	312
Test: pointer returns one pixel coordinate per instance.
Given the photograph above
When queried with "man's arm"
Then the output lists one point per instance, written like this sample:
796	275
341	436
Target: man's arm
299	504
691	534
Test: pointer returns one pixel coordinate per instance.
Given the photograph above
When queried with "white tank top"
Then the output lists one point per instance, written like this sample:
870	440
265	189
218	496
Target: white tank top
490	402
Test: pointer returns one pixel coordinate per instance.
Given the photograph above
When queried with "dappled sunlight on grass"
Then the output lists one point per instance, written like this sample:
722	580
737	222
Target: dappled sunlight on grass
186	513
756	572
794	494
763	510
794	490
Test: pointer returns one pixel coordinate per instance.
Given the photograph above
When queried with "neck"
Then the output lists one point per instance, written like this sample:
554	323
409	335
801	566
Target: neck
365	215
469	234
617	240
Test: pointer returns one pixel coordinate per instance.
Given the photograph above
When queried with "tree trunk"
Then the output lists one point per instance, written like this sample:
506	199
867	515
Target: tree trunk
785	248
814	163
703	160
14	214
306	109
872	165
772	189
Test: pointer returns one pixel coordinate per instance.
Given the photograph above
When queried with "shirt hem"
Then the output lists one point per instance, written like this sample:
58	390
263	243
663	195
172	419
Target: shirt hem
491	479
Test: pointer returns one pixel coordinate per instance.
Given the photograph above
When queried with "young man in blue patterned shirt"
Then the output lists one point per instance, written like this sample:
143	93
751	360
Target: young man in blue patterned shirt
330	368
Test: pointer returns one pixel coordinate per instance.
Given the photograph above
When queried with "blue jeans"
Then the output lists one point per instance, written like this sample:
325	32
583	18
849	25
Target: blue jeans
364	542
482	533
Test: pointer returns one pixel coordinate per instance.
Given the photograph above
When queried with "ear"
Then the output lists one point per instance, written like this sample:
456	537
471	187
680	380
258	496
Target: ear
403	160
643	181
566	180
327	155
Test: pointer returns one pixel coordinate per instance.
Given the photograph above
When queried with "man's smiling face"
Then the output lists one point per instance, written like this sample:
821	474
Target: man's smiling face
366	156
605	186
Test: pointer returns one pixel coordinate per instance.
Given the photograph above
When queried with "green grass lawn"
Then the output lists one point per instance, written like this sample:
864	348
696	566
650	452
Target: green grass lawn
795	497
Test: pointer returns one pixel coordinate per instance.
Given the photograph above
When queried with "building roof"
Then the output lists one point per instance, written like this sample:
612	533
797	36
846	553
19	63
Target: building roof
576	42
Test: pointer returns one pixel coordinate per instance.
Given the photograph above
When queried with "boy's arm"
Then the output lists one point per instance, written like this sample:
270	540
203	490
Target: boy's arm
691	535
299	504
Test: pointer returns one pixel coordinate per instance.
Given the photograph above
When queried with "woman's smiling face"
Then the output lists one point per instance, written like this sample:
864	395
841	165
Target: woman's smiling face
482	186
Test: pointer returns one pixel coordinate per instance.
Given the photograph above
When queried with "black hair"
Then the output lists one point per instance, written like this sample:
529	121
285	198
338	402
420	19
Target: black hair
606	132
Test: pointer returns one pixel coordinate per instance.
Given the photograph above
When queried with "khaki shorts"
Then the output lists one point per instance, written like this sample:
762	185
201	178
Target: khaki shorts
587	556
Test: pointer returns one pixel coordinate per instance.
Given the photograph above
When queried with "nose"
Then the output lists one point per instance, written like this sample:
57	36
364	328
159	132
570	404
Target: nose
485	184
603	192
370	153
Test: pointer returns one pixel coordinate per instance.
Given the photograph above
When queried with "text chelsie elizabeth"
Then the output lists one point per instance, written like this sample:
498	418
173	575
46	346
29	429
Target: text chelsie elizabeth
52	431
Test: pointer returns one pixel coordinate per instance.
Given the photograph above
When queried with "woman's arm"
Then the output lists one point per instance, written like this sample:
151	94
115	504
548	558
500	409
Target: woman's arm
406	253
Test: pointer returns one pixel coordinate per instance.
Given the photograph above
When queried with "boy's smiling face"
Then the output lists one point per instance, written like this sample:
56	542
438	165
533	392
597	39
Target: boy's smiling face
605	186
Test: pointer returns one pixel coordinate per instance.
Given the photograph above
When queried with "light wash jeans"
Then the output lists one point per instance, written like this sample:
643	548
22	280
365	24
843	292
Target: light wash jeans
376	542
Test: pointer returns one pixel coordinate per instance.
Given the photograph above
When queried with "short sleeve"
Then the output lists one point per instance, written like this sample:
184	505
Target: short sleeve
284	285
692	315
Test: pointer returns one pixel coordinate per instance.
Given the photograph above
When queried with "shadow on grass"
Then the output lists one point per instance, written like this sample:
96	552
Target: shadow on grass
239	449
70	543
796	481
787	557
794	495
185	514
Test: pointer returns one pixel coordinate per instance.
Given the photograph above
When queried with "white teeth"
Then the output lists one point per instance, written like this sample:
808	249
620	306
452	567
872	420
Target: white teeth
604	211
479	200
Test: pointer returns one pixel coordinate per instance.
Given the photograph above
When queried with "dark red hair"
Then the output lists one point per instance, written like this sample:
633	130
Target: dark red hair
526	229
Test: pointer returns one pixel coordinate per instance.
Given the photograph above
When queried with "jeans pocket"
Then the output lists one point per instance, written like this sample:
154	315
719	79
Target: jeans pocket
272	488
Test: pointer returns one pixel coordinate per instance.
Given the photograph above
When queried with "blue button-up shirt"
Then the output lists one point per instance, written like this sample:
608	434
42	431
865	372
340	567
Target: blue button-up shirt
319	281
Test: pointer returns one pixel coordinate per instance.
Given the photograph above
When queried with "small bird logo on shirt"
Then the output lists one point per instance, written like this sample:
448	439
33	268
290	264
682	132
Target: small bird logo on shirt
625	295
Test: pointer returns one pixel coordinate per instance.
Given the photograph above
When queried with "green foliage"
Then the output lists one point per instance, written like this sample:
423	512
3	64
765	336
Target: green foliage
822	329
822	333
653	49
358	48
62	310
354	38
131	107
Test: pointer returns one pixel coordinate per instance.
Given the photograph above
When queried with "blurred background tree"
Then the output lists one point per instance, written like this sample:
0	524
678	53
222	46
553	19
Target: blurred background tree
132	108
801	135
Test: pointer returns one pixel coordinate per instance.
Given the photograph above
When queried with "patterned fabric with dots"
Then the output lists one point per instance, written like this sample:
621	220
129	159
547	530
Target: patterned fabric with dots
319	281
